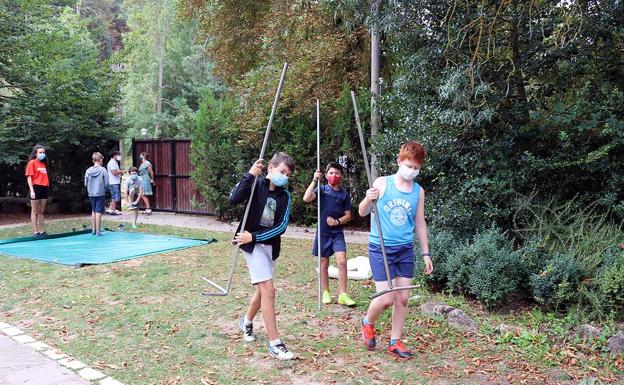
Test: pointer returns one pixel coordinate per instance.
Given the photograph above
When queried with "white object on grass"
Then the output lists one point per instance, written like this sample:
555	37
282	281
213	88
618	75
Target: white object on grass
358	269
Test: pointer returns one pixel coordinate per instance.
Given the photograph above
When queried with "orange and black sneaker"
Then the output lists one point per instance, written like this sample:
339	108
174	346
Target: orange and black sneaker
399	351
368	335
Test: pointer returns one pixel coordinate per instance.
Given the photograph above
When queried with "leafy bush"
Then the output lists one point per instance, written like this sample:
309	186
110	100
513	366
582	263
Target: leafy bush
442	245
557	285
610	282
488	267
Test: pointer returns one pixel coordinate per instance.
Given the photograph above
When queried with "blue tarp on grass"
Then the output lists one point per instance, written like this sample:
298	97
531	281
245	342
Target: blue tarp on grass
83	248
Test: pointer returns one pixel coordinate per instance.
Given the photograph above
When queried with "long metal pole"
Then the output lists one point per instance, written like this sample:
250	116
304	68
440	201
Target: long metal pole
318	200
224	291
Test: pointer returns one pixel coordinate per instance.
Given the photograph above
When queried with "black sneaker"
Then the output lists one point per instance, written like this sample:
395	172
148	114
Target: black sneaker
247	330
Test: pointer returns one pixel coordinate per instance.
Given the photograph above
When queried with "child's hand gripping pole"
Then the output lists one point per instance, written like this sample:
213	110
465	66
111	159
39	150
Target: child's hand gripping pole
225	291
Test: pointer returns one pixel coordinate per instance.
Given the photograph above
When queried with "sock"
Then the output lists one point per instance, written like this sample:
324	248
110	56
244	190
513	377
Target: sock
246	322
393	341
275	342
365	321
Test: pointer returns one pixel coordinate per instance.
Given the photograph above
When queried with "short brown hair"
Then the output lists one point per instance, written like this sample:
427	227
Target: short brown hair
413	151
97	157
145	155
282	157
133	169
335	166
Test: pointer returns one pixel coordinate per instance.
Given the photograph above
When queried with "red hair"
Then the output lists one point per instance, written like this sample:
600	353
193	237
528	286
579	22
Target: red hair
413	151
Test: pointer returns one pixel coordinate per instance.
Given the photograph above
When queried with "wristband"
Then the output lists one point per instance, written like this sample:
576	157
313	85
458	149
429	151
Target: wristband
427	254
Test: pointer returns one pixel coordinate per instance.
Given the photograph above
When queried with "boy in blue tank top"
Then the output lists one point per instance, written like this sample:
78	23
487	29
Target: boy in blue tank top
335	212
401	212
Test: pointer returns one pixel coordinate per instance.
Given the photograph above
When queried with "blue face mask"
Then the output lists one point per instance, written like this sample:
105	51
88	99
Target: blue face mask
279	180
41	156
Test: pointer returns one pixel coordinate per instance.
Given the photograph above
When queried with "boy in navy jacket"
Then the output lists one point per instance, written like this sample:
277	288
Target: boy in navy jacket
260	242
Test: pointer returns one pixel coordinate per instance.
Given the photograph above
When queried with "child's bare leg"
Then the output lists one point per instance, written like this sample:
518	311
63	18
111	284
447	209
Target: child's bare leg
41	210
136	216
93	227
399	311
267	305
381	303
98	222
254	304
324	273
341	261
146	201
34	215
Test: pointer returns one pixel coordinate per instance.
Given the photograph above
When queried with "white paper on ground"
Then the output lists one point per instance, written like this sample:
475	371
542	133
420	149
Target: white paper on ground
358	269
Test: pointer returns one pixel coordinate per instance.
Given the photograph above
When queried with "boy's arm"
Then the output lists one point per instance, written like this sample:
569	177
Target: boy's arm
310	194
240	192
278	228
372	194
421	232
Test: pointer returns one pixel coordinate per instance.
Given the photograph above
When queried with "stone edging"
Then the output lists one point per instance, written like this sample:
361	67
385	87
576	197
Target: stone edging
63	359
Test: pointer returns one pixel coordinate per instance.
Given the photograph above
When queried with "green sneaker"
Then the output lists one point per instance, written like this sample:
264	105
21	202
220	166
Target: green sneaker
344	299
327	299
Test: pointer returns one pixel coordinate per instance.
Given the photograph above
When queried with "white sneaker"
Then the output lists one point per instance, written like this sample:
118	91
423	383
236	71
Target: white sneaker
280	352
247	330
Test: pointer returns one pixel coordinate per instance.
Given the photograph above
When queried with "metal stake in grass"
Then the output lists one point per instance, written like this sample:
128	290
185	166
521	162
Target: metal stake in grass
225	291
318	201
374	211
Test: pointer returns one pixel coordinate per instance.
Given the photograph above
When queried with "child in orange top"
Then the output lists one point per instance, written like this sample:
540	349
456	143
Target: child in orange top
38	183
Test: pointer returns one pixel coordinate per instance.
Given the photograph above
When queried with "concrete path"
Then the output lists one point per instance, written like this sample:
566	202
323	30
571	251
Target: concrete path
208	223
20	365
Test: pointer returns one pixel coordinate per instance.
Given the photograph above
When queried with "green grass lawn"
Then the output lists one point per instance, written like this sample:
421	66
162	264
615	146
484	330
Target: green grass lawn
145	321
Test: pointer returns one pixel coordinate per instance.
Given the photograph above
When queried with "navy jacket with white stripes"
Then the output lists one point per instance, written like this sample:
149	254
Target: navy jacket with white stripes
280	214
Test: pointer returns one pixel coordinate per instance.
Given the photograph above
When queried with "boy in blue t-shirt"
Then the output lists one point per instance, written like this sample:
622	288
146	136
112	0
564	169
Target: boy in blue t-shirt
401	212
335	212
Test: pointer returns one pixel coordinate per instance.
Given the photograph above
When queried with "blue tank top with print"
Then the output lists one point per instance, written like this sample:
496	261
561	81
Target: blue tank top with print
396	211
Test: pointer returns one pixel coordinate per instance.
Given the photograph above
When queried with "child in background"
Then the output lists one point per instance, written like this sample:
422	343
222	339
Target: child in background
96	181
134	193
335	212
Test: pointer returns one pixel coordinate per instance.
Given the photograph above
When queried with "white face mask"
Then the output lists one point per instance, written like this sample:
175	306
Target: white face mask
408	173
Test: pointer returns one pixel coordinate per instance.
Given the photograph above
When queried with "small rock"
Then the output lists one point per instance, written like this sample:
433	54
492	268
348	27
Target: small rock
432	308
616	343
460	320
509	329
588	332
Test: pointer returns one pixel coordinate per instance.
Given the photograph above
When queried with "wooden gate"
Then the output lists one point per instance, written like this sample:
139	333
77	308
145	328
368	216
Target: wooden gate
174	190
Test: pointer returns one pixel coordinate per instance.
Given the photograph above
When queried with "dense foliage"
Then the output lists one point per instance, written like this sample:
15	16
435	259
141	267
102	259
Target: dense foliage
54	91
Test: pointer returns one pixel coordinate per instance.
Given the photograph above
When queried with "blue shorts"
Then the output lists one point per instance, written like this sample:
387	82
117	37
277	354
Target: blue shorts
115	191
330	244
97	204
400	261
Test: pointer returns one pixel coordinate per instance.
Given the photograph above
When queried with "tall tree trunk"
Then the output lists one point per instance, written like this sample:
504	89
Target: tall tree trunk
161	58
517	78
375	119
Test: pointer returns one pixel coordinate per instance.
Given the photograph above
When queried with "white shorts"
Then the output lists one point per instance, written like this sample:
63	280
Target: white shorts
260	263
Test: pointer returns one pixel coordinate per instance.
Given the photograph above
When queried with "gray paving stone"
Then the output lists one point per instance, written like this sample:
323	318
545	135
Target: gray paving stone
12	331
71	363
91	374
24	339
54	354
39	346
110	381
20	364
4	325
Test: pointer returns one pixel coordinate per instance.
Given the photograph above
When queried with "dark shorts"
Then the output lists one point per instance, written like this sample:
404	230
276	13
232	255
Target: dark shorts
97	204
115	191
41	192
330	244
400	261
